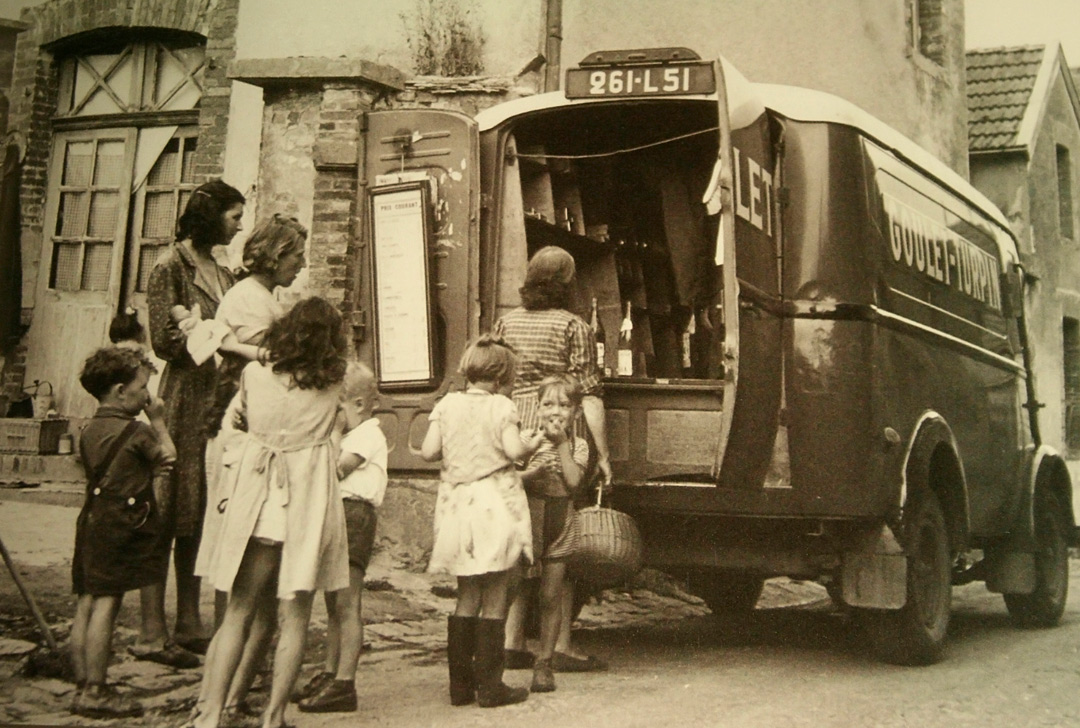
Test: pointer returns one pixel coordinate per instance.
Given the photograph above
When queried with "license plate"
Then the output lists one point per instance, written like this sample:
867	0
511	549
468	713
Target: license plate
640	80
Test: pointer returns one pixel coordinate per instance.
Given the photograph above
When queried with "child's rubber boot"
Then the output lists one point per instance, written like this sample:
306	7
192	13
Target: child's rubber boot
460	648
488	664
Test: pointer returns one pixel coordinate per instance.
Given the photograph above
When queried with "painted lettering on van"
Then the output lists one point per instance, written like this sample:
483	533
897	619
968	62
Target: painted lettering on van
753	192
937	252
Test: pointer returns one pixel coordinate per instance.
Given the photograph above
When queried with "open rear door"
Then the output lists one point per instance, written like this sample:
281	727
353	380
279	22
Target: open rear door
417	267
748	248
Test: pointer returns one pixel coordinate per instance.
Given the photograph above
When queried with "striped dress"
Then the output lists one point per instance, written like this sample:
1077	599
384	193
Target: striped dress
549	342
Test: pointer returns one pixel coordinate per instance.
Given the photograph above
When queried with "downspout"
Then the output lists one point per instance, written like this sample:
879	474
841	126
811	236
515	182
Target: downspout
553	45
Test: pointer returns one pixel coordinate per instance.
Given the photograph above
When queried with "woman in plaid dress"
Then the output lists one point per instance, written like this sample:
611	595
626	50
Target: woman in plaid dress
550	341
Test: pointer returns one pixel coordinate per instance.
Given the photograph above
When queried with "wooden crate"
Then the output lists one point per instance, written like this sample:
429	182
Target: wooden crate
31	436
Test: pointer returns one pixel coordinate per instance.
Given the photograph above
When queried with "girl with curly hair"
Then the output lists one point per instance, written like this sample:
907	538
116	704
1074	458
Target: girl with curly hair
283	519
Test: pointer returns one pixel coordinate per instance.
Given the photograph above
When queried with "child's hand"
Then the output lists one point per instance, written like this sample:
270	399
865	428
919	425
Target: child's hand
534	440
179	313
348	462
155	408
555	429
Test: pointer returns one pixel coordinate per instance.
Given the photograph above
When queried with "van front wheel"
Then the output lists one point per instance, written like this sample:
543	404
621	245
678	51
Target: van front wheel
1044	606
915	634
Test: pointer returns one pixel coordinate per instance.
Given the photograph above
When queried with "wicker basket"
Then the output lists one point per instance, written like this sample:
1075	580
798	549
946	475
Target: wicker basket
609	548
31	436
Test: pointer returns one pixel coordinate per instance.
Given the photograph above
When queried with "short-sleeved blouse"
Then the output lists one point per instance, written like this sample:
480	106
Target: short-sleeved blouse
548	342
471	424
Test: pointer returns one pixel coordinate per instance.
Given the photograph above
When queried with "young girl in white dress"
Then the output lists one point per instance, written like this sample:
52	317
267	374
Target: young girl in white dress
482	526
284	519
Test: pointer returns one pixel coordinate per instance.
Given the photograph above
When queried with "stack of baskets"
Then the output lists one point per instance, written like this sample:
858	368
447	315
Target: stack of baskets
609	548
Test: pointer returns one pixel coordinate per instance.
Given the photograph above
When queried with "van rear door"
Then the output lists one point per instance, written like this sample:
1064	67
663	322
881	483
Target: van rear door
417	271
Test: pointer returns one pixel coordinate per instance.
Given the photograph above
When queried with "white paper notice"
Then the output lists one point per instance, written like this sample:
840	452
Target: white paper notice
401	287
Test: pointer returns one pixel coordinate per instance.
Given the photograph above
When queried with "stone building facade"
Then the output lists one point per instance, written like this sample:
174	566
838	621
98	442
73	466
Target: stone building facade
1024	114
277	101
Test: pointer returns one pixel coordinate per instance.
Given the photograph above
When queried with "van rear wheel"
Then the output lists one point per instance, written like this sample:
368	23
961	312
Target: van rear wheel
915	634
1044	606
728	592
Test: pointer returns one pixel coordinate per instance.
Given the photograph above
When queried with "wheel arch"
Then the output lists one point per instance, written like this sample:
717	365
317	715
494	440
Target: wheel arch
1046	470
932	462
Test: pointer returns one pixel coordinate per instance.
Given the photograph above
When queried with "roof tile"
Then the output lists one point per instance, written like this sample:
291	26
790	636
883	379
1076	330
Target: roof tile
999	86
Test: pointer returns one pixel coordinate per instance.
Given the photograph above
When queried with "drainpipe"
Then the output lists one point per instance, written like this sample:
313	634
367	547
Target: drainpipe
553	45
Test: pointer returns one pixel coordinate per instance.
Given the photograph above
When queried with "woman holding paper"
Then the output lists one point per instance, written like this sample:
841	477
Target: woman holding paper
187	285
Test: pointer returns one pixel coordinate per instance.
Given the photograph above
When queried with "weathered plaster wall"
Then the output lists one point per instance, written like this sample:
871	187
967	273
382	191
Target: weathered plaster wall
1057	258
375	30
855	49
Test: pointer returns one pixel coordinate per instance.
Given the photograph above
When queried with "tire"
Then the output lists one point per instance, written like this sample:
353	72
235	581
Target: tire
1044	606
728	592
915	634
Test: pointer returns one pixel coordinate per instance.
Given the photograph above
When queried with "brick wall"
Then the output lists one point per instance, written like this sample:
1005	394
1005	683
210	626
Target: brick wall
34	103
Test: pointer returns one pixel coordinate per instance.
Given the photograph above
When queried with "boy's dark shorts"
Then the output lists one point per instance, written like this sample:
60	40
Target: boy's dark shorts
360	522
118	548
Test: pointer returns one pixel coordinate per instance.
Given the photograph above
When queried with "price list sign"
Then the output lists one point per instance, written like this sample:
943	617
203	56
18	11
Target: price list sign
402	300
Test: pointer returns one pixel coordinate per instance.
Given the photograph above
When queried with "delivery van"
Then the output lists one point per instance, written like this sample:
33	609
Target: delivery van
815	351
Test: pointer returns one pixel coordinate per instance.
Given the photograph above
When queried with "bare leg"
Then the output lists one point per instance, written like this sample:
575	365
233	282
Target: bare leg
470	589
78	636
99	633
515	615
552	586
257	644
259	566
564	643
152	630
293	617
494	597
333	631
221	600
351	627
188	623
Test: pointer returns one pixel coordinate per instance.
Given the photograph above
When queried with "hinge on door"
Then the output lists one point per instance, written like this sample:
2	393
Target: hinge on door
358	321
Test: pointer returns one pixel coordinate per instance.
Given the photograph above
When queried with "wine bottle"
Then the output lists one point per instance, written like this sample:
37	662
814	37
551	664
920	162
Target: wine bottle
626	346
600	339
687	337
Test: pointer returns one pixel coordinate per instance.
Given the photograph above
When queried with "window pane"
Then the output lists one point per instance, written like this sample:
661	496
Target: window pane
65	267
148	255
159	217
103	214
77	163
165	168
174	70
187	175
96	264
185	195
72	216
109	169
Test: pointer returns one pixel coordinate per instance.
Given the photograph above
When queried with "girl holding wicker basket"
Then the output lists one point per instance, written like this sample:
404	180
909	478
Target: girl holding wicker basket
553	477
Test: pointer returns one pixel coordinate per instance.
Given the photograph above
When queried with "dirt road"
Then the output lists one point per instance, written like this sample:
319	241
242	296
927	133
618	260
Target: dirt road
795	662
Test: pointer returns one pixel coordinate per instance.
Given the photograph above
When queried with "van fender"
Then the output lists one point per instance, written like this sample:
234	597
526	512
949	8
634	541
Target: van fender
1010	566
874	572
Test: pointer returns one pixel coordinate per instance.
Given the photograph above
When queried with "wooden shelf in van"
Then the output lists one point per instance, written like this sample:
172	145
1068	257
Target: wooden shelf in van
541	232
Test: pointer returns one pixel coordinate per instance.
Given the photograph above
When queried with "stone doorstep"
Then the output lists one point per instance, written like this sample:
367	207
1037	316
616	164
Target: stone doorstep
25	468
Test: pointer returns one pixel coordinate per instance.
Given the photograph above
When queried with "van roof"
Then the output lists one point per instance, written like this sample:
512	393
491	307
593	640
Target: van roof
802	104
799	104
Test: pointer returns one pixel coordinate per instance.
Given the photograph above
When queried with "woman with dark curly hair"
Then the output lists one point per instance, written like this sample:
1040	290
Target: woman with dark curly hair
283	519
185	285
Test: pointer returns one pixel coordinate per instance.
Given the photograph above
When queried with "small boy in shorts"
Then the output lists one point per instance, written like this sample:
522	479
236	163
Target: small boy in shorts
362	472
117	532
